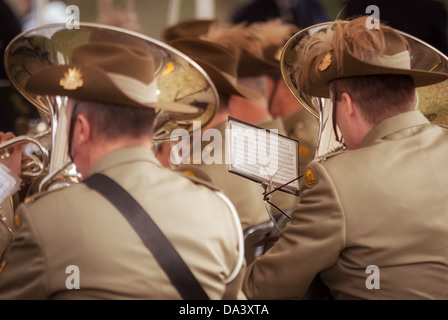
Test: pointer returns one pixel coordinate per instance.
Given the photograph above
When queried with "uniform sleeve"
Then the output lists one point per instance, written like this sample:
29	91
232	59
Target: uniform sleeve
309	243
23	275
234	288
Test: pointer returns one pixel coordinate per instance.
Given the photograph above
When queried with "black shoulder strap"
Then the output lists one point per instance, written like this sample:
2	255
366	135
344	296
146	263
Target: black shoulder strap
162	249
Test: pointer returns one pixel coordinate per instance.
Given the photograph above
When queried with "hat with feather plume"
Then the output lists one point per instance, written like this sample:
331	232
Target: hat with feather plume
348	48
218	52
264	58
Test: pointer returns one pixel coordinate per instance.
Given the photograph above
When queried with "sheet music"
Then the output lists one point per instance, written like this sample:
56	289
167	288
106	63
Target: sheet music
260	155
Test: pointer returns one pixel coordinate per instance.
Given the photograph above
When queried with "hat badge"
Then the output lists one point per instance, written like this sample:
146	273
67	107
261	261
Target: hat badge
326	61
72	79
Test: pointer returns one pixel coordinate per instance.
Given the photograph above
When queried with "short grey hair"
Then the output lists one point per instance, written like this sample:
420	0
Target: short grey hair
112	121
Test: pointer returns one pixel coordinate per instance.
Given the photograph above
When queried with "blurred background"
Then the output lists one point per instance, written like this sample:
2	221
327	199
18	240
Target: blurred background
152	16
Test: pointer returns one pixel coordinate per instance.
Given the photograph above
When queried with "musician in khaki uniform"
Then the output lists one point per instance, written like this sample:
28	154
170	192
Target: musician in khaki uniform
76	232
246	68
257	64
297	123
371	218
220	60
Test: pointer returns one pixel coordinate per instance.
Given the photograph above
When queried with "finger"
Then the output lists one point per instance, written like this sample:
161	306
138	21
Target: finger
4	136
14	148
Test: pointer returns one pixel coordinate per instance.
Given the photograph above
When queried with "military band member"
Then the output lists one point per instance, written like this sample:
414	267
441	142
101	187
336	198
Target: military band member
220	61
371	218
77	229
284	112
252	70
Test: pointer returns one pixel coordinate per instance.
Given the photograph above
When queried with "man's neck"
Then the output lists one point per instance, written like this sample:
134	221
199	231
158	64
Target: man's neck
100	147
221	116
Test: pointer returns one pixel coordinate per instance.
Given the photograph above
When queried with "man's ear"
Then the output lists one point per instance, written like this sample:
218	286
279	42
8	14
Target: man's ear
83	129
349	107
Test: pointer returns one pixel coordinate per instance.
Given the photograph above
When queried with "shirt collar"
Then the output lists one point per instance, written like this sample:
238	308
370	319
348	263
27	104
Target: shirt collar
394	124
125	155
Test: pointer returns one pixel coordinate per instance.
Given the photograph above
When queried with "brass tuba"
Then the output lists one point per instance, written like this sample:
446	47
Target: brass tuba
178	78
431	100
35	161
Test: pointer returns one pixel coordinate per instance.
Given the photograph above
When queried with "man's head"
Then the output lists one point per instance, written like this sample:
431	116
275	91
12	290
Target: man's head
251	110
360	103
99	128
367	73
280	99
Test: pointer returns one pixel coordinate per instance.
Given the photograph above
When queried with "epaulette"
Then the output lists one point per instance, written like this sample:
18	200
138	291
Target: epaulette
189	174
34	197
330	154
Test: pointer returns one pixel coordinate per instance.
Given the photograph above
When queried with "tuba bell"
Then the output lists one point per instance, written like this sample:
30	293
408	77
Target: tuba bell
179	79
431	100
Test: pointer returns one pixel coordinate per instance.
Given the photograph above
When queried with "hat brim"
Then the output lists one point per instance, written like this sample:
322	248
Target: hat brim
189	28
225	83
97	86
251	66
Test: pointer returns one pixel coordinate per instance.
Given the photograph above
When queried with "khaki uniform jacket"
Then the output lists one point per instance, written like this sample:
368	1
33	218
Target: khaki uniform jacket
367	218
77	226
6	226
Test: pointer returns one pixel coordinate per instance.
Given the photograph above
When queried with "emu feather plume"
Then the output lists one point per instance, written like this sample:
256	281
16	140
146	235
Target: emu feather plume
354	37
234	37
274	32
